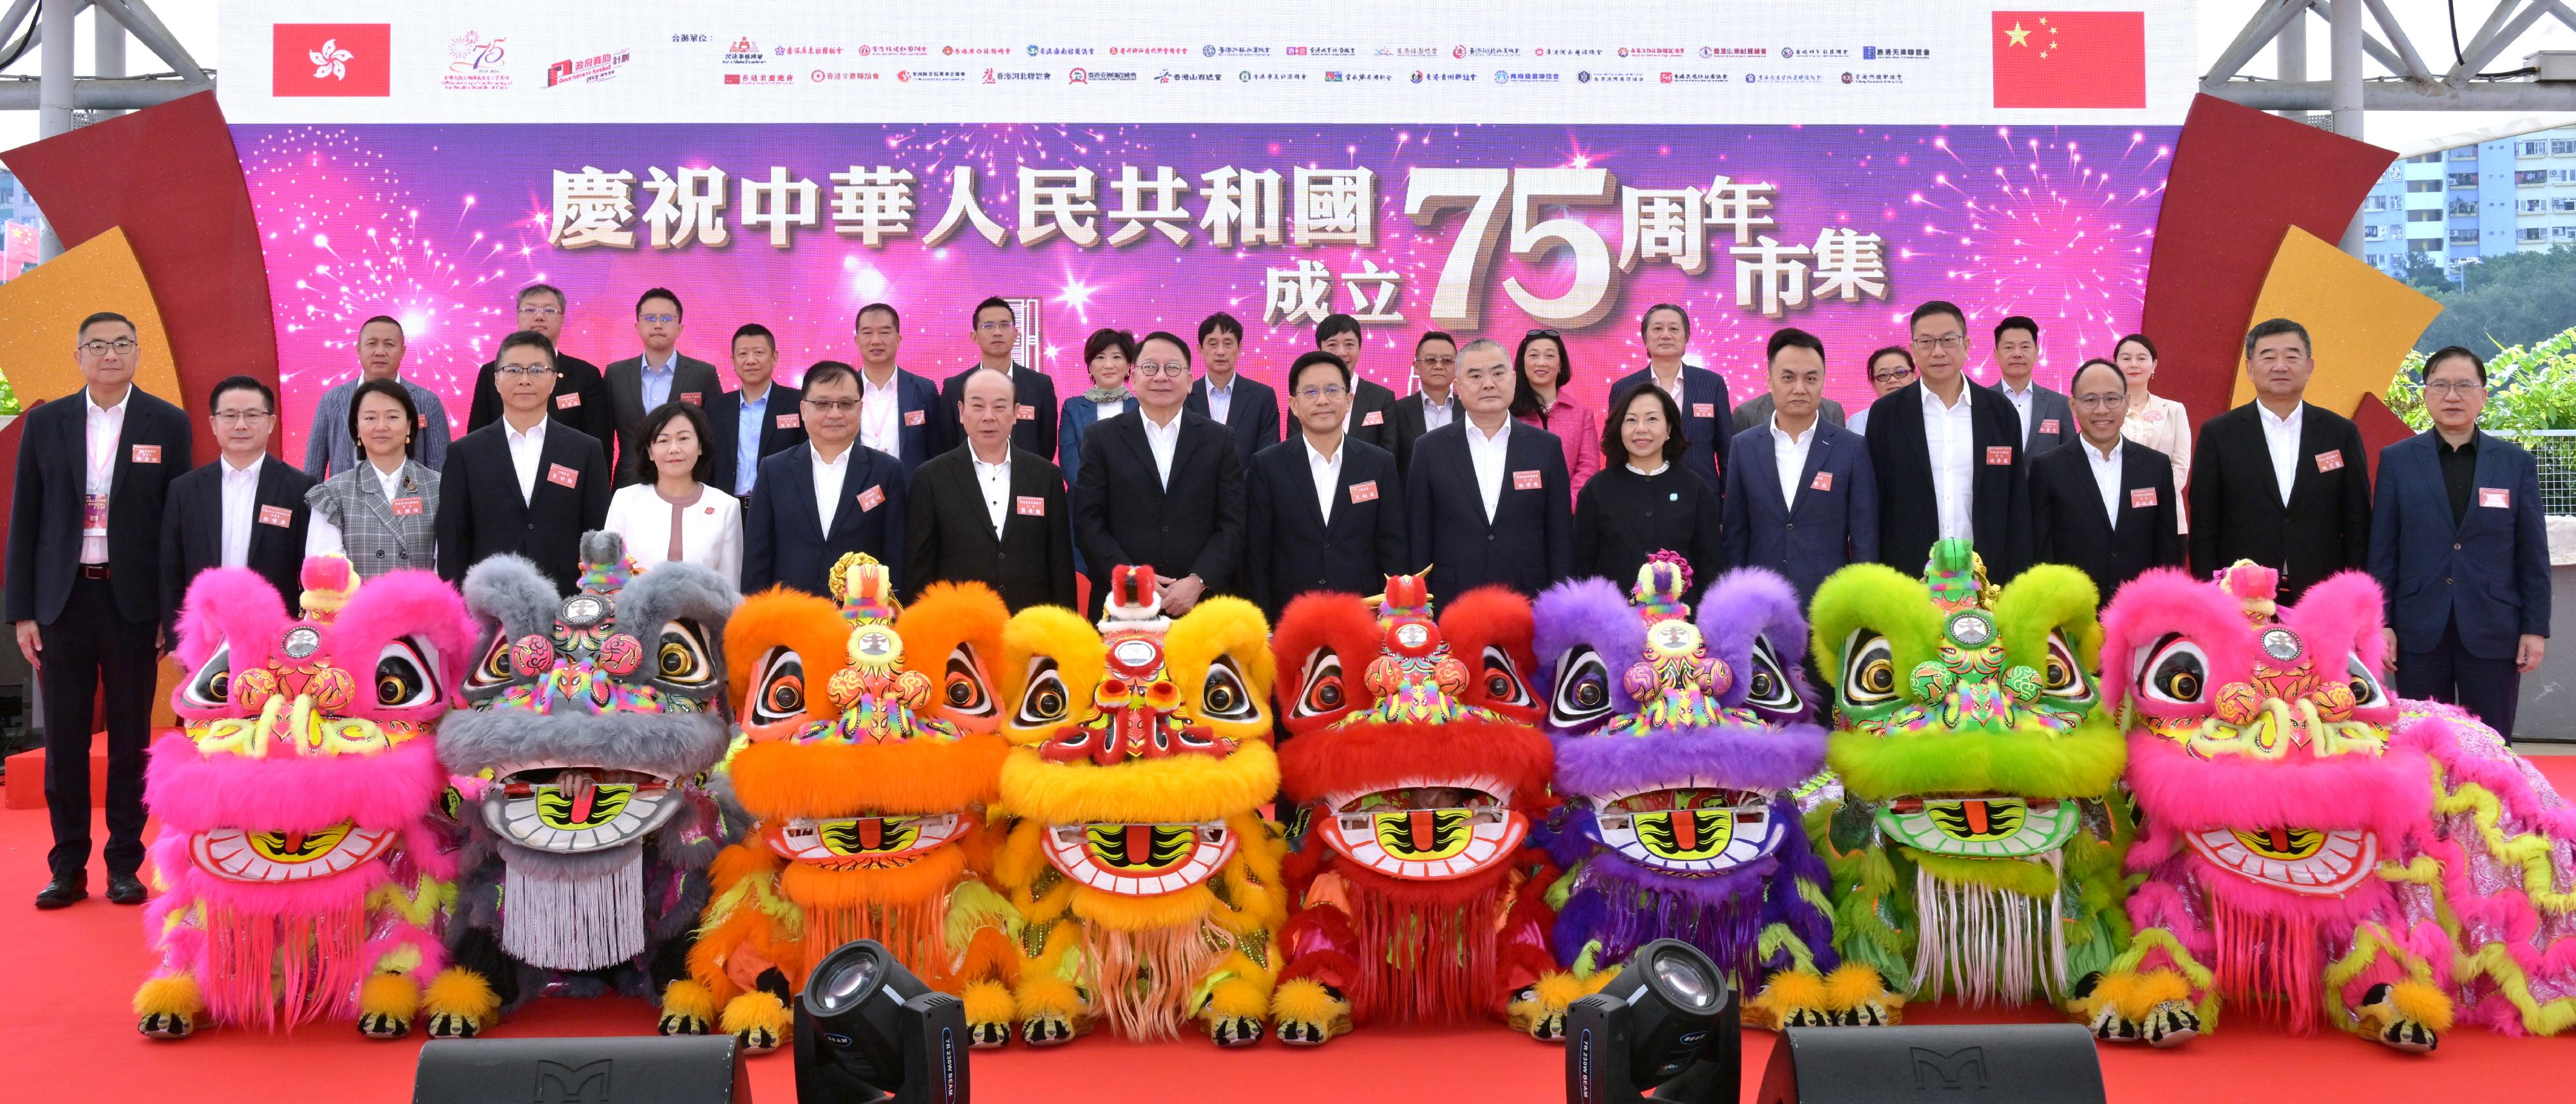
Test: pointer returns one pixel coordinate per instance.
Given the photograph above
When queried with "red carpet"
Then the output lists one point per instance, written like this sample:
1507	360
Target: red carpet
69	1036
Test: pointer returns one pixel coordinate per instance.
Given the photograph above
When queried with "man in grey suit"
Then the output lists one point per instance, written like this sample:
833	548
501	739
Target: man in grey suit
638	385
2046	420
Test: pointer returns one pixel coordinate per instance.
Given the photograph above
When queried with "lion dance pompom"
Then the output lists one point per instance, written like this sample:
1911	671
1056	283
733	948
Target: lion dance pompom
1417	769
868	762
591	721
303	863
1680	744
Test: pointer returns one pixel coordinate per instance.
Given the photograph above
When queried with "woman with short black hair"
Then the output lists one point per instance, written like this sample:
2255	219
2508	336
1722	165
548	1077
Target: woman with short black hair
381	514
1647	503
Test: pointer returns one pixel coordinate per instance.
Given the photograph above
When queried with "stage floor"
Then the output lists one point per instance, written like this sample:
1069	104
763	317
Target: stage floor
69	1036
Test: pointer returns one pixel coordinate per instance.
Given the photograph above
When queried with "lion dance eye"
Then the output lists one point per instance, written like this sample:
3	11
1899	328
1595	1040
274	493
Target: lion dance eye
965	692
681	656
2175	672
1870	674
1325	693
780	682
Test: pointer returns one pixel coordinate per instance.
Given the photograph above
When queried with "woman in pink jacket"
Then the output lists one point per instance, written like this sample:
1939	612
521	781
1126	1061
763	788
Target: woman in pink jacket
1542	370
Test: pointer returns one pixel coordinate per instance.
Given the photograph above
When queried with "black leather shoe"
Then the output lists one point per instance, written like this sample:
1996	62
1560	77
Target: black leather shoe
63	892
125	889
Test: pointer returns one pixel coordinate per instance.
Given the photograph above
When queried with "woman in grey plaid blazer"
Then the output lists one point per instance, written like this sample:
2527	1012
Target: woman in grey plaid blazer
382	514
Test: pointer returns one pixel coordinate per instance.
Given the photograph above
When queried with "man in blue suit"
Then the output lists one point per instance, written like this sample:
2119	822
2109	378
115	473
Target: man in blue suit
1800	497
898	410
1707	418
1246	407
2458	544
825	498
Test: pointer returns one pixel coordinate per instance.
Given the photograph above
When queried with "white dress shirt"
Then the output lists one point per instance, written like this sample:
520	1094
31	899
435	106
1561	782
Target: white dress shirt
828	477
1950	434
1220	399
2106	478
1489	454
1163	440
710	528
525	449
241	502
1672	387
2020	401
322	536
1789	454
653	381
995	479
106	429
1327	472
1103	411
1435	413
881	415
2281	435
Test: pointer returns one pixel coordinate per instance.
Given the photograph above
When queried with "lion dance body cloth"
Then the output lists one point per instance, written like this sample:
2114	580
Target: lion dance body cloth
591	721
1976	845
1147	881
1679	746
303	862
869	760
1418	767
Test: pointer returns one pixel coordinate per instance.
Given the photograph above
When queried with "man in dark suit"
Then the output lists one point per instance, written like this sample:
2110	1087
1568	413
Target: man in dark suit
1161	487
1433	403
1706	417
1246	407
1757	411
1948	459
1371	416
1487	499
761	418
2277	480
1800	498
2046	421
991	513
580	398
244	510
898	410
2100	502
84	590
2461	550
997	332
526	484
639	385
1326	513
825	499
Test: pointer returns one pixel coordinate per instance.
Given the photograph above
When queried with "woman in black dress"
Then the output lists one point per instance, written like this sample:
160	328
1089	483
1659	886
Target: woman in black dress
1630	510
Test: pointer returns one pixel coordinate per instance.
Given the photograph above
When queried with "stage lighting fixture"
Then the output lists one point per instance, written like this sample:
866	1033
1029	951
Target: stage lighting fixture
1666	1026
868	1032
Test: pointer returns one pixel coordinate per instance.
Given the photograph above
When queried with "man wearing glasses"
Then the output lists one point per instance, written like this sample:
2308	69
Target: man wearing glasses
996	328
2279	481
84	590
991	512
1326	511
380	355
826	498
1434	402
579	400
639	385
244	510
1948	457
526	484
2101	502
2460	548
1161	486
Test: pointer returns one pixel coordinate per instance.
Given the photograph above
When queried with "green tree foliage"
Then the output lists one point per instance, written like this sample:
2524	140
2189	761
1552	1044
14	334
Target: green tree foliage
2528	387
2511	300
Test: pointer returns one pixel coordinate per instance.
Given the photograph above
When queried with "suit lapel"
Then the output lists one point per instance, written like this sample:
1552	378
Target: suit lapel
263	489
1305	483
1816	450
124	441
1141	449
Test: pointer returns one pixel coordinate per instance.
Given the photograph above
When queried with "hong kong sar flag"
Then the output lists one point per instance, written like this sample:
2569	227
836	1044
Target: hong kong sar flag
2070	59
331	59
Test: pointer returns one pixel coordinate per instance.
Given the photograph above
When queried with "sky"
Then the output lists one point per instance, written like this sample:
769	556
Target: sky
2427	23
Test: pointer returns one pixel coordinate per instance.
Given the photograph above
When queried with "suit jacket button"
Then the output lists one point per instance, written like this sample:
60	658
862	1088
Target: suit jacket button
2455	548
1786	526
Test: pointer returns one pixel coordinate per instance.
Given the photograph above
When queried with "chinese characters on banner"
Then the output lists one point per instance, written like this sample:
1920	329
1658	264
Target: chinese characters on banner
1530	212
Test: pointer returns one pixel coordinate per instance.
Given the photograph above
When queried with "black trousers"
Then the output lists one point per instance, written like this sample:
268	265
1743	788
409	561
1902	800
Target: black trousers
94	644
2487	688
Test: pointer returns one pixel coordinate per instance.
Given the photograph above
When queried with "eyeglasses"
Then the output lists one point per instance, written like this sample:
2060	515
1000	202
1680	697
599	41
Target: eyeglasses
1952	342
119	346
2100	402
833	406
995	326
1896	376
542	312
1319	394
240	417
2449	388
1171	368
523	371
663	319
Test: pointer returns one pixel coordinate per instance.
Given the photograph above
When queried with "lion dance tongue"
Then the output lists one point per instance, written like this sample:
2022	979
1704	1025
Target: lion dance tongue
1416	769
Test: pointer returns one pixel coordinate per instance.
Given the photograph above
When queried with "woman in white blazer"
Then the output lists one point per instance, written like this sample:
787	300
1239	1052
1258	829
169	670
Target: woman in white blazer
677	516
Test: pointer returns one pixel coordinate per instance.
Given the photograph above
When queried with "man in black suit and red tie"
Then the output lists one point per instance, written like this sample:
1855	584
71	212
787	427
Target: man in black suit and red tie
2279	481
1948	457
526	484
991	512
2101	502
1488	500
1326	512
84	590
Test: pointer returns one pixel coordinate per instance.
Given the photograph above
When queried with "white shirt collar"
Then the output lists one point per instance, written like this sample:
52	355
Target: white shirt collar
110	408
1151	426
1475	434
869	387
536	434
1785	437
1316	456
2101	457
1932	398
669	363
1004	464
2023	392
1226	388
2295	412
841	461
1659	469
231	472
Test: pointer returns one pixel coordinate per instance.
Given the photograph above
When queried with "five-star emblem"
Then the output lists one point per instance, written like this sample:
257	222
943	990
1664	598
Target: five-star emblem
2020	37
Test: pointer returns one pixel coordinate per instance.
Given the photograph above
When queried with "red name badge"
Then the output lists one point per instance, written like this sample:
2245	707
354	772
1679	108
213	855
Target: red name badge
568	400
1824	481
2330	461
692	397
791	421
562	476
94	512
1524	481
913	417
1026	413
1999	456
2142	497
147	454
278	516
1031	506
1364	492
2048	425
872	498
410	507
1703	410
1374	417
2497	497
424	421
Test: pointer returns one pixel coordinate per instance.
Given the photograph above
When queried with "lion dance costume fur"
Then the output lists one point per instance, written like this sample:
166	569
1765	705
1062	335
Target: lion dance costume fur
302	864
1679	744
591	719
1417	760
1146	878
1976	845
869	759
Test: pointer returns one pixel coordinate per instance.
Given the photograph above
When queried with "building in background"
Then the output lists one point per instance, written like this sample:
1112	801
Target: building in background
2462	205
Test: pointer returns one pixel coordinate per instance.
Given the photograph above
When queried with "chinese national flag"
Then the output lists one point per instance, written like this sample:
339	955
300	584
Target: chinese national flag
2070	59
